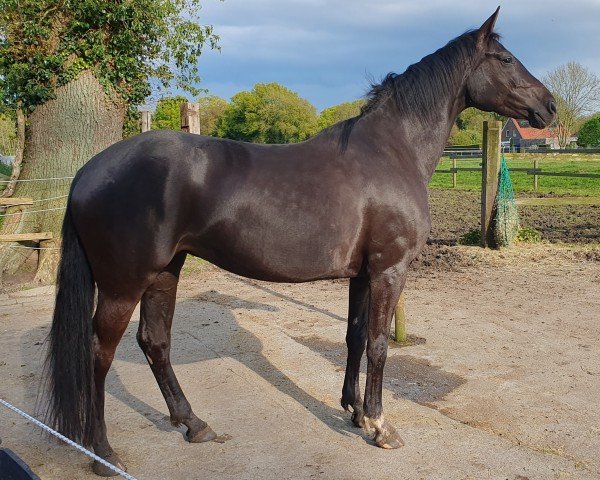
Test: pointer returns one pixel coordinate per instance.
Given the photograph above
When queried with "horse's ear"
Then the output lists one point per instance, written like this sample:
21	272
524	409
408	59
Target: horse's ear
484	32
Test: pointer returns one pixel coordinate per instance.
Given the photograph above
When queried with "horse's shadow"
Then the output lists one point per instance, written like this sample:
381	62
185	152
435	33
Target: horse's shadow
200	318
210	321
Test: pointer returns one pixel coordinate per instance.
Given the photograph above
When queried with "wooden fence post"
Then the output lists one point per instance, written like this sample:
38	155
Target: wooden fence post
453	171
489	180
190	117
400	321
535	176
146	120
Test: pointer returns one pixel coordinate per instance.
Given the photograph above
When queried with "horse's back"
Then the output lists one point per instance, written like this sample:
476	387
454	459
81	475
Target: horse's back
274	212
271	212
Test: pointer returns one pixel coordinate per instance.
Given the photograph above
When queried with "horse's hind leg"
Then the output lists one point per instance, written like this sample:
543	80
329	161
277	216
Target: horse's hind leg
154	338
356	340
110	321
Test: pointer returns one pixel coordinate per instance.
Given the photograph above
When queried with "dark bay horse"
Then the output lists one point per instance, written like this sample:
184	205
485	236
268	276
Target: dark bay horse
350	202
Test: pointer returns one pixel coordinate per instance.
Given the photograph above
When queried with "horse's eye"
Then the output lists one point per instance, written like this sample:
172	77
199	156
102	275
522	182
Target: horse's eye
507	60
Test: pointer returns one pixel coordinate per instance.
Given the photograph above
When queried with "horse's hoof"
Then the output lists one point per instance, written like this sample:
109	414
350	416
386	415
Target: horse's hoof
204	435
358	419
104	471
388	438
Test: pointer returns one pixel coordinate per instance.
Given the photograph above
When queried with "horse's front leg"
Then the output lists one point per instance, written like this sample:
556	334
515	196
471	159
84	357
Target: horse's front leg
385	293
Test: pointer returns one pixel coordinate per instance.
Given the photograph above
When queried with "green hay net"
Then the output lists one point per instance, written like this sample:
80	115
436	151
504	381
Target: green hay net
507	217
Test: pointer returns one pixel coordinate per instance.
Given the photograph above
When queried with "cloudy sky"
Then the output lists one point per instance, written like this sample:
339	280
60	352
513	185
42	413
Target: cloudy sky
326	50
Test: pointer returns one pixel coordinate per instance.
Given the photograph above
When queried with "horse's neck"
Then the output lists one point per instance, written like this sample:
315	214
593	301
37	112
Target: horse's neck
425	137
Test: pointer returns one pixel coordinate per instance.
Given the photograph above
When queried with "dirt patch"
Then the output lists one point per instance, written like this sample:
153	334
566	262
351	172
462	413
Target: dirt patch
455	212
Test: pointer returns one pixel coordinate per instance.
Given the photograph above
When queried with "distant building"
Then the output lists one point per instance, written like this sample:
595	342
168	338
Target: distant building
522	135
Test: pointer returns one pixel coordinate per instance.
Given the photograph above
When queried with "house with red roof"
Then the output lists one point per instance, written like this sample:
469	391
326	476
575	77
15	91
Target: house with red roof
522	135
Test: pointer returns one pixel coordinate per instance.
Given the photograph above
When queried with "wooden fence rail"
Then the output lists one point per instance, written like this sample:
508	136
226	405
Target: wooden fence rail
583	151
536	171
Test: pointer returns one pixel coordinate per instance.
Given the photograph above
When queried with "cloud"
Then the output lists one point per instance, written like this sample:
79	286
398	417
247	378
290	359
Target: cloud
324	49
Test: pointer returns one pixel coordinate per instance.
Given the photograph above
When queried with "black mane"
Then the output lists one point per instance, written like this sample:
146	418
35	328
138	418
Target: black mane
422	83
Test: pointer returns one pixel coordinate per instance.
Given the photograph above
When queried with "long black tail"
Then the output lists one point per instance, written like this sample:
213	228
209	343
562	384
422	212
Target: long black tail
70	356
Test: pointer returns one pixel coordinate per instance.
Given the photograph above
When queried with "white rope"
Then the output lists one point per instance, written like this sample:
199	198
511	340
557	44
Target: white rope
67	440
36	179
33	211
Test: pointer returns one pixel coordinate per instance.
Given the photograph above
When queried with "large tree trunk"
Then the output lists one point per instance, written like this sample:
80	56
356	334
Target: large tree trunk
61	135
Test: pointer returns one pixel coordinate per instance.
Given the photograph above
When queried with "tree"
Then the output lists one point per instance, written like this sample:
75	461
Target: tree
589	134
337	113
465	137
469	127
72	70
270	113
211	109
577	93
8	136
167	114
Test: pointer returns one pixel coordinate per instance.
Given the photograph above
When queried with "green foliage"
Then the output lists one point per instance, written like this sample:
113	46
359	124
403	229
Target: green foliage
589	134
211	109
270	113
472	237
5	170
46	43
528	235
8	135
167	116
343	111
132	125
465	137
469	127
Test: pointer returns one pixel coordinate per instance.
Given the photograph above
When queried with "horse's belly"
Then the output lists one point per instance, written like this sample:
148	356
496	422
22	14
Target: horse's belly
290	256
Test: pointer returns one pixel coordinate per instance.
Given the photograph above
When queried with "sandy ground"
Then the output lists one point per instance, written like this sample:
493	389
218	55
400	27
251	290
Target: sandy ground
502	382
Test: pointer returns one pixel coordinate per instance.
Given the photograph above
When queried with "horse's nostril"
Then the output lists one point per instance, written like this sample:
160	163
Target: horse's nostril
552	106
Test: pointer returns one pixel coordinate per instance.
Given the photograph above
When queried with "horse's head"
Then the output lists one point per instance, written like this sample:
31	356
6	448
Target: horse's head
500	83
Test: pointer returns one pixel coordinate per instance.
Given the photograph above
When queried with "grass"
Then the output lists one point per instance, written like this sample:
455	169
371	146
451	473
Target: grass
193	265
522	182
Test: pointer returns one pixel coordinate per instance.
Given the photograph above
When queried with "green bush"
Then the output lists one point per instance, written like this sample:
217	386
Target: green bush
589	134
5	170
528	235
472	237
